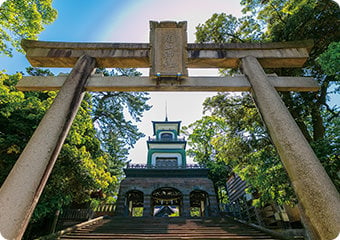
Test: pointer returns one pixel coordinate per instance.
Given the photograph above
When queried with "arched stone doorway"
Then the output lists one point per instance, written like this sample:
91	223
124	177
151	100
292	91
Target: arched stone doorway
166	202
134	203
199	202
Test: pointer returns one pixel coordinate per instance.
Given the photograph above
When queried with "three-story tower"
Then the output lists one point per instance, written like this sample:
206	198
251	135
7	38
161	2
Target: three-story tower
166	185
167	148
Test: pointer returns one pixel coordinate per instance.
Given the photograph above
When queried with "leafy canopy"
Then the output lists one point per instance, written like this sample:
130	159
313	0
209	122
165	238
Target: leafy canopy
244	144
23	19
94	152
101	135
81	166
330	59
114	115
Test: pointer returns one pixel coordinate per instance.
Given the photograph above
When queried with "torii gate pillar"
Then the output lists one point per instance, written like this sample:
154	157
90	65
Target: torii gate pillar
316	193
20	192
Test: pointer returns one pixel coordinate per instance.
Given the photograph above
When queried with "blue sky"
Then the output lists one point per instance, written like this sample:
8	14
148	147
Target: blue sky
128	21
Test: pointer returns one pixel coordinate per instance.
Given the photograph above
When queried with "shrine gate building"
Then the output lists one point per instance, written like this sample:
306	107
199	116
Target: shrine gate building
166	185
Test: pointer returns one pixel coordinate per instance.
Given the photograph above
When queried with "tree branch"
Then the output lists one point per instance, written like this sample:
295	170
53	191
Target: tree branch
277	13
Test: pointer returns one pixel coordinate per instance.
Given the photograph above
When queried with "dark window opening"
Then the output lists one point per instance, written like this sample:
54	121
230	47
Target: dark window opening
166	162
166	136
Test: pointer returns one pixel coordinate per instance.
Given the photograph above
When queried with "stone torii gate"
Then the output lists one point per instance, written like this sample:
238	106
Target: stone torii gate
168	56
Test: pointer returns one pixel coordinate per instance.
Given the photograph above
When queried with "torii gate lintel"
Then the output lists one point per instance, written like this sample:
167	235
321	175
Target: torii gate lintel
138	55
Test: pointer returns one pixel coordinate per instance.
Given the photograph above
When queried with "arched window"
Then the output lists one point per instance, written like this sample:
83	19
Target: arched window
167	136
134	200
166	160
198	203
166	201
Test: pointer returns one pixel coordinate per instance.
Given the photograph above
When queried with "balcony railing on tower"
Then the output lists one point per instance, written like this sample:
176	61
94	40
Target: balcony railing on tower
164	166
178	139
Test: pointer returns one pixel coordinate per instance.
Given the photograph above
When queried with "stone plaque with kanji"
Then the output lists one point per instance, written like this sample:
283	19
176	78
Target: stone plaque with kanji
168	49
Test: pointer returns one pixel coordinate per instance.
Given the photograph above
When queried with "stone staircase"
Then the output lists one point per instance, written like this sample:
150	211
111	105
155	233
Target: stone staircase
166	228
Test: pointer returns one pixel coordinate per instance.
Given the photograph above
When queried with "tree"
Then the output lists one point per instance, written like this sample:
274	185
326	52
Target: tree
246	148
223	28
246	145
200	140
113	116
317	20
101	135
23	19
233	140
329	60
82	166
86	163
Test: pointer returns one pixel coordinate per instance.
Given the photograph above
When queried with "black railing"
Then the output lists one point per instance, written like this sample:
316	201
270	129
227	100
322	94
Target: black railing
178	139
145	166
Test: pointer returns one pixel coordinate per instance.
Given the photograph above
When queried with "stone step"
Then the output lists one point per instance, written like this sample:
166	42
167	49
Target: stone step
166	228
163	236
220	231
174	230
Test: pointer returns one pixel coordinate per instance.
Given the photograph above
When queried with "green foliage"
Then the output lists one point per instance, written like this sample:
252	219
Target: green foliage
94	151
98	142
195	212
201	134
219	28
223	28
82	166
137	211
233	139
23	19
330	59
244	144
113	115
19	115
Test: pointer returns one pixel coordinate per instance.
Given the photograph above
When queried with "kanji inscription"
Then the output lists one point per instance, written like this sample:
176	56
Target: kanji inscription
168	53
